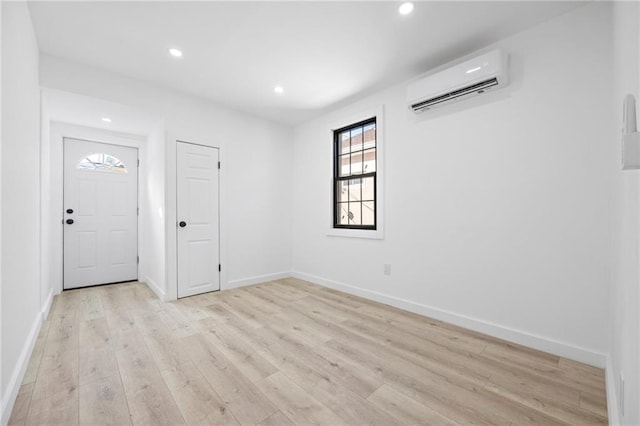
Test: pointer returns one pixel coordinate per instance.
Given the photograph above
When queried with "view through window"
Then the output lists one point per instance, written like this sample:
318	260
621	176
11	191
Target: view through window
354	176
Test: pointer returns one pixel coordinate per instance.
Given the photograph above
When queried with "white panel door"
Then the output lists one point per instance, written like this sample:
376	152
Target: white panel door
101	213
197	215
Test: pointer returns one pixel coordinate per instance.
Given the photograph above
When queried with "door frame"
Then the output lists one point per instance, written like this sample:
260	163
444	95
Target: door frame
137	168
58	132
175	222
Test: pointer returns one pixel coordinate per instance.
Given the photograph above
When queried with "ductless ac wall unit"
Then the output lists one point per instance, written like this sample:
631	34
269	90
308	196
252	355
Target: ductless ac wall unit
459	81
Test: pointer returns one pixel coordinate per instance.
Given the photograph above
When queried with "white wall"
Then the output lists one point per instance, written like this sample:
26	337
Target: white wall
495	214
624	332
151	245
2	392
47	246
255	177
21	307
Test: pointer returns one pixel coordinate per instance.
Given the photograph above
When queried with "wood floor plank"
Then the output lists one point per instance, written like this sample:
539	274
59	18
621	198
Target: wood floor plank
55	393
442	393
244	356
350	407
97	364
176	321
63	328
247	403
94	335
235	304
119	321
168	352
594	404
407	410
102	402
295	403
190	309
57	408
277	419
285	292
90	306
457	363
588	378
313	365
21	406
66	302
286	352
198	402
149	399
264	307
559	410
251	334
203	300
36	356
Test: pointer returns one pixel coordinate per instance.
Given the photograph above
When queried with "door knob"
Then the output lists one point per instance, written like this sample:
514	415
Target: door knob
182	224
69	221
69	211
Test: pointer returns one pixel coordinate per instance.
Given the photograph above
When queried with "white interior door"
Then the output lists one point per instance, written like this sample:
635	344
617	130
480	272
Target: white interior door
197	214
101	213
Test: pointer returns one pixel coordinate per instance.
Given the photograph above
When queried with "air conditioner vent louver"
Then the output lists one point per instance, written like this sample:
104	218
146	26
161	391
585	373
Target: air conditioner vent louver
475	88
459	80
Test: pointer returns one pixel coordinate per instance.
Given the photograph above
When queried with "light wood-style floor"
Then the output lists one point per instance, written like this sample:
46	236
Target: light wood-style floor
286	352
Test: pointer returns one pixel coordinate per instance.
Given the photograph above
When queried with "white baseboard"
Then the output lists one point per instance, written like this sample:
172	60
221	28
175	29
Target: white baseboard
23	362
255	280
47	305
524	338
612	396
162	295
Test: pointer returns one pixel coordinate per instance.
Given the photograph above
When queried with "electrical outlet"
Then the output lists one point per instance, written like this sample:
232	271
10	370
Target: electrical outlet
621	395
387	269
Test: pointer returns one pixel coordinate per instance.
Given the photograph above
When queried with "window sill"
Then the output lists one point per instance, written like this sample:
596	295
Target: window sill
357	233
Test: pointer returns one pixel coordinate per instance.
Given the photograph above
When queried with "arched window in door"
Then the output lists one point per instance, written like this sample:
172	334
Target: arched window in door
101	162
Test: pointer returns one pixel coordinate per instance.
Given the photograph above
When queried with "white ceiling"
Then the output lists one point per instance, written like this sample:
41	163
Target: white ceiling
322	53
86	111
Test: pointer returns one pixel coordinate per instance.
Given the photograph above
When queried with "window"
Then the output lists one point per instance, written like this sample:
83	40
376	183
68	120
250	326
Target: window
354	176
101	162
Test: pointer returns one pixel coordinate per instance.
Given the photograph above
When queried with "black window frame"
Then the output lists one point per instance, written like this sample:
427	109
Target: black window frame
337	178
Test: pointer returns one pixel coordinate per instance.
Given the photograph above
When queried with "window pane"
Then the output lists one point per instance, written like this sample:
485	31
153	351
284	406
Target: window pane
356	163
342	190
355	189
370	160
344	165
368	213
343	213
101	162
356	139
355	217
355	156
368	190
369	136
344	143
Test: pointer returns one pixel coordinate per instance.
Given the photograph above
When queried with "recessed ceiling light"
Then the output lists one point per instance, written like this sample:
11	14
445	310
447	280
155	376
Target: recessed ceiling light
406	8
106	119
279	90
176	53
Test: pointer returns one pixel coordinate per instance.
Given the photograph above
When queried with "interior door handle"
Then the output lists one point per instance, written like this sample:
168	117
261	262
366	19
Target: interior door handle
182	224
69	221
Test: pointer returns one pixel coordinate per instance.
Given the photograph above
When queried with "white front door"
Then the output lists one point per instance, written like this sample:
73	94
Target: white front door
197	215
100	218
